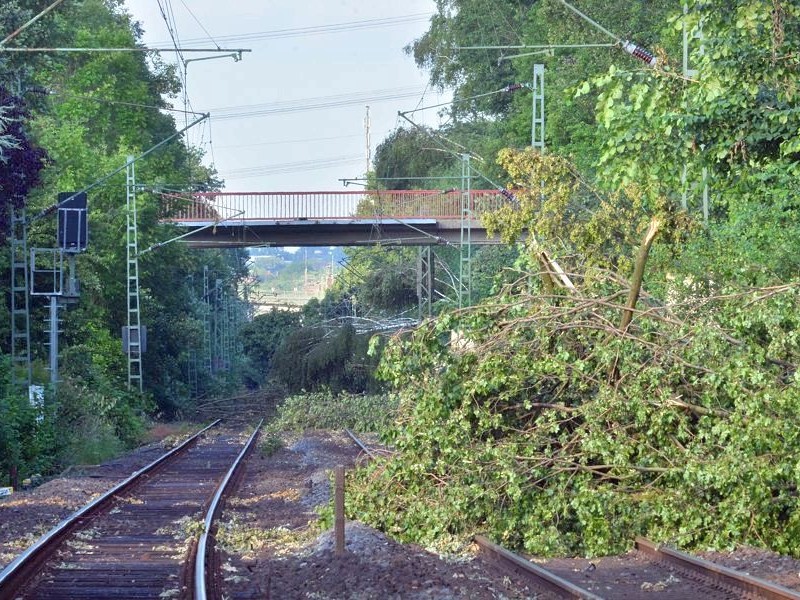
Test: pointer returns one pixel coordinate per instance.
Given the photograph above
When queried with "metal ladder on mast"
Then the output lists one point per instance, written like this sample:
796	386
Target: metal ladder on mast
207	350
465	247
20	307
134	329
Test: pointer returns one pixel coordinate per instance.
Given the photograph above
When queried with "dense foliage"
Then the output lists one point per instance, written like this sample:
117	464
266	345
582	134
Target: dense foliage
558	433
574	409
319	356
20	160
261	338
327	410
67	120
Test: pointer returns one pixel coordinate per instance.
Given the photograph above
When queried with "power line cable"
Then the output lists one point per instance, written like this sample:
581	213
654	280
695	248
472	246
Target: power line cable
357	95
295	141
509	88
172	33
301	164
321	29
309	104
165	11
213	41
290	167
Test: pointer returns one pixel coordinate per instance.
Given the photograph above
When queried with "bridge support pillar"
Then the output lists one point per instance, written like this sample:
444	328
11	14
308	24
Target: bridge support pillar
425	279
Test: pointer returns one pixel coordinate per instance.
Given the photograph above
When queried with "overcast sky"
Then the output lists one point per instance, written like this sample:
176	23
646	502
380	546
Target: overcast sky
261	137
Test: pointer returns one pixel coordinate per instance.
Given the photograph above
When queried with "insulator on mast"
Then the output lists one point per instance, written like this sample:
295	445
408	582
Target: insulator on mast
514	87
640	53
508	195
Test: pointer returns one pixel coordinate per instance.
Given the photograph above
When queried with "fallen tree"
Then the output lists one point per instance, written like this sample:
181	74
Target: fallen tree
583	408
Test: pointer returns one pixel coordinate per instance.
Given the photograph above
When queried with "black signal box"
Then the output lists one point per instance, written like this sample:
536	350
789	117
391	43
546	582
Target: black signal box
73	225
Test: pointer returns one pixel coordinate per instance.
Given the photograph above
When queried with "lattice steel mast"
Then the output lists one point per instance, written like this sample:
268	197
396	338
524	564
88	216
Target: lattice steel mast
465	247
132	244
21	373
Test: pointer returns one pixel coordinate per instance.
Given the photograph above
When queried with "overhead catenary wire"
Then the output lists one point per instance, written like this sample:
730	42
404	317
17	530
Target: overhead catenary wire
505	89
508	88
352	95
314	103
320	29
168	16
189	10
633	49
290	167
294	141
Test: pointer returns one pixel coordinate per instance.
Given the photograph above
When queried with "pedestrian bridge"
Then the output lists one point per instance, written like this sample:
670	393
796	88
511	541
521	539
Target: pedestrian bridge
340	218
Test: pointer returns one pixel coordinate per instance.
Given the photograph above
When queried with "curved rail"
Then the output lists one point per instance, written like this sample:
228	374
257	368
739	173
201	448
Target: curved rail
39	549
755	587
202	545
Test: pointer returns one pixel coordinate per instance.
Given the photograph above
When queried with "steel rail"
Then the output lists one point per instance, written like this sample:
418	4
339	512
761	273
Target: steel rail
360	444
542	577
201	560
755	586
38	551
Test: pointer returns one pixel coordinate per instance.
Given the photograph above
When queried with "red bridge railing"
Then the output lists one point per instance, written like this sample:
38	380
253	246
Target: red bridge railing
395	204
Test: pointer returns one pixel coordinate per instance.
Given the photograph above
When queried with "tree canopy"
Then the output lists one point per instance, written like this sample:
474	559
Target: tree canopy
21	161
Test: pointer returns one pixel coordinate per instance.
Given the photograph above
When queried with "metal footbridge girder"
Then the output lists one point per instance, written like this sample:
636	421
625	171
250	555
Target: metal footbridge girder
344	218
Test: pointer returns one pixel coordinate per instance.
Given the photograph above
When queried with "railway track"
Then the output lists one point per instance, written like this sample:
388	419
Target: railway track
699	577
673	574
138	540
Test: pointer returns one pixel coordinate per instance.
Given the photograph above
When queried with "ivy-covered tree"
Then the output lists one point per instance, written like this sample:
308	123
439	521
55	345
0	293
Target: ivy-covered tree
475	73
735	118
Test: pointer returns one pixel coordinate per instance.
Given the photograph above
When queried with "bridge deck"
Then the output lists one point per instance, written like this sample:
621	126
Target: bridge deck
346	218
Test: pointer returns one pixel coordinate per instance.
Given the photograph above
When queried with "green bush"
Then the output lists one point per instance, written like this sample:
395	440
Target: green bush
99	422
270	444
